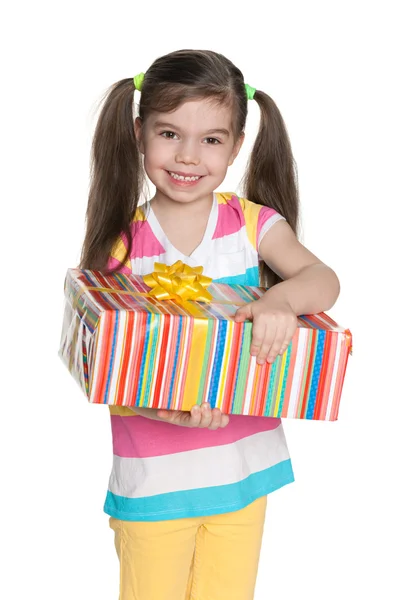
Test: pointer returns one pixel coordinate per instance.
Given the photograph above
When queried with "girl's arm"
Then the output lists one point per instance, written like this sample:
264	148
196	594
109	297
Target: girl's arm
309	287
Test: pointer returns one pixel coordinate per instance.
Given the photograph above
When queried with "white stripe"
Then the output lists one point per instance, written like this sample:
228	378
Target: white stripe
145	264
128	380
117	356
181	364
99	333
298	369
78	358
250	383
333	380
90	346
167	355
219	465
152	399
229	243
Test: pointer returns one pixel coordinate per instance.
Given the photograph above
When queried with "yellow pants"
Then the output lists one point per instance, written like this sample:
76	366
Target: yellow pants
201	558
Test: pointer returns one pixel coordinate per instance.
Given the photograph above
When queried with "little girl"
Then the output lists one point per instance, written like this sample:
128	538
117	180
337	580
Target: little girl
187	492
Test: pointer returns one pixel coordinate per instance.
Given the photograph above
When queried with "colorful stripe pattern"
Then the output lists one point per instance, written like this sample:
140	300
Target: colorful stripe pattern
228	251
136	351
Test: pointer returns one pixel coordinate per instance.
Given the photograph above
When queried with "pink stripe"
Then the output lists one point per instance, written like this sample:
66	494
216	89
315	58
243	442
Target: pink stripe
145	242
230	218
138	437
115	264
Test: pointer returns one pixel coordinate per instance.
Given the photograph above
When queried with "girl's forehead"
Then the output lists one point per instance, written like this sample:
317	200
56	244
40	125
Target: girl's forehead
203	114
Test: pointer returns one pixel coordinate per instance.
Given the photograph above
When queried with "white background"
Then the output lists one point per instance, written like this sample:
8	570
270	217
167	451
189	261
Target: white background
331	69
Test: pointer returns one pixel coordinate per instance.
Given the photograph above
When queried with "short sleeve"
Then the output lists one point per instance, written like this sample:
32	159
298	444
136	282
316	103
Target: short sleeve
258	219
266	218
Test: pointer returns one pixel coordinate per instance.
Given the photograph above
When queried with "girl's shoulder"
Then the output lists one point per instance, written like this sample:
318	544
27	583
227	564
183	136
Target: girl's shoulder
254	218
249	209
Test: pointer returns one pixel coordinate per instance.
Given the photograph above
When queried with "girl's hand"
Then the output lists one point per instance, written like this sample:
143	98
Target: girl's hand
274	325
198	416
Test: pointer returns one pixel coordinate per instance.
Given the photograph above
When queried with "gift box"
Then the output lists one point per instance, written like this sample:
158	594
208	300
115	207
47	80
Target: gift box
127	347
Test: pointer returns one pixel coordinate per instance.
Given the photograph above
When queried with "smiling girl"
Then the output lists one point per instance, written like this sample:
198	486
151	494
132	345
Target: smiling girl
187	492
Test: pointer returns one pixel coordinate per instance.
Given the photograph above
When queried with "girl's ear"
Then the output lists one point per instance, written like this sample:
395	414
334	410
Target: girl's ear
236	149
138	126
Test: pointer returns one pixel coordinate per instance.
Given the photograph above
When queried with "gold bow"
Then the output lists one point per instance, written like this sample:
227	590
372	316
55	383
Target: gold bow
178	282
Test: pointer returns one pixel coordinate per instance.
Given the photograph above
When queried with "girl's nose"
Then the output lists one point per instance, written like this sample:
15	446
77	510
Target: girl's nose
188	154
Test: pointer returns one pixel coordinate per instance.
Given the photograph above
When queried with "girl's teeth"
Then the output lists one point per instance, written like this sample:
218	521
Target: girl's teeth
182	178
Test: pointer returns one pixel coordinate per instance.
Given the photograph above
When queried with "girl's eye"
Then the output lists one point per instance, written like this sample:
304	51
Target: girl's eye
213	141
168	134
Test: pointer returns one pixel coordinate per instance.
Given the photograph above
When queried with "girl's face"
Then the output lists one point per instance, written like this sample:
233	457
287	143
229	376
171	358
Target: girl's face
187	151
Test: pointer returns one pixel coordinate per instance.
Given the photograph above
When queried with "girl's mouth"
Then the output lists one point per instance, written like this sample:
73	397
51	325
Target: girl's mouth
182	180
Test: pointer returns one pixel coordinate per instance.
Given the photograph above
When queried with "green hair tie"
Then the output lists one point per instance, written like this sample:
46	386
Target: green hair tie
250	91
138	81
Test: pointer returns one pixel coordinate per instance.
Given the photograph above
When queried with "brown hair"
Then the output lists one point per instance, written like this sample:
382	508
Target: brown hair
117	174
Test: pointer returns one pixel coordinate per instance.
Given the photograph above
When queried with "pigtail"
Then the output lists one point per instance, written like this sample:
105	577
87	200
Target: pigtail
117	177
271	174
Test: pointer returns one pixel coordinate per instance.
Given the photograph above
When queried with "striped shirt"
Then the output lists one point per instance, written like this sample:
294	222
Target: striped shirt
163	471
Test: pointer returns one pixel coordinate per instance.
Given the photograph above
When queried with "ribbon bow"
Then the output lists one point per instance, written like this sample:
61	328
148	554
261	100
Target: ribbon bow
178	282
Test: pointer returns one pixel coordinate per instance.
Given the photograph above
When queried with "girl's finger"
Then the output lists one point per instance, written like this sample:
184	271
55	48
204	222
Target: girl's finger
257	337
224	420
285	345
195	416
273	353
216	419
164	414
276	346
266	345
243	313
206	416
290	331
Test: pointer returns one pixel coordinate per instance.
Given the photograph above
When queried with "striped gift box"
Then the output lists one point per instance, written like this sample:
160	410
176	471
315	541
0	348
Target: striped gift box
125	348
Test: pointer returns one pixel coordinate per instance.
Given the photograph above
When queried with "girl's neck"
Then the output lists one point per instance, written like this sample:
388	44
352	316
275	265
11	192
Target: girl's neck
183	223
163	205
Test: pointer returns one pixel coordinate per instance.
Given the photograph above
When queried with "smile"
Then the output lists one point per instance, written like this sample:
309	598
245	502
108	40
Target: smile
183	178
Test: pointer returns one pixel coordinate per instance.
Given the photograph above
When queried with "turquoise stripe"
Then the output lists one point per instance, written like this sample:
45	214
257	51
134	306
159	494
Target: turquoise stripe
271	388
155	329
319	352
200	502
143	358
112	357
250	277
216	371
285	377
